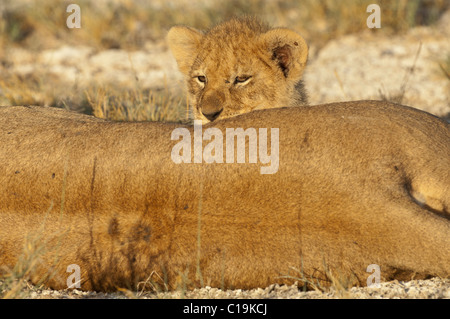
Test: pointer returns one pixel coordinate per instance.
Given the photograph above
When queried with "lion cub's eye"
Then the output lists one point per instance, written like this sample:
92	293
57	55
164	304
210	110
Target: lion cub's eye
242	79
201	78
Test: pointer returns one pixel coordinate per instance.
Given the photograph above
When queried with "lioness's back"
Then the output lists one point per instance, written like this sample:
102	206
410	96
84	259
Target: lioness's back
359	183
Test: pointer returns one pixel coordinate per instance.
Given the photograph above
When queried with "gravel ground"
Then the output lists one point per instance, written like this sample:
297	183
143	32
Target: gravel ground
434	288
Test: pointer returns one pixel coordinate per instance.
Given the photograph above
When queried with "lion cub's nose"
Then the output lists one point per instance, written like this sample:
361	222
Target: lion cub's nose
212	116
212	107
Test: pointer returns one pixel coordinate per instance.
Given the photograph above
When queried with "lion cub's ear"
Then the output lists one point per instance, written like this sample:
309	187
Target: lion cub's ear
289	50
184	43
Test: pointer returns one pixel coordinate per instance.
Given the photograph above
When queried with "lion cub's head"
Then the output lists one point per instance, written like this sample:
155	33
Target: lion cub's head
239	66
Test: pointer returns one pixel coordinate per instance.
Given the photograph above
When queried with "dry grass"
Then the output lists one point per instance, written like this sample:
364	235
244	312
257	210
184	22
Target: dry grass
337	282
397	96
445	67
14	281
128	24
136	105
41	88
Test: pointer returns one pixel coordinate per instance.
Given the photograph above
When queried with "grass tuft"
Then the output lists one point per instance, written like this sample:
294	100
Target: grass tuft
135	105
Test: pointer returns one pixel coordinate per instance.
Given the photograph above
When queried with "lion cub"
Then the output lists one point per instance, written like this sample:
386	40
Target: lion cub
239	66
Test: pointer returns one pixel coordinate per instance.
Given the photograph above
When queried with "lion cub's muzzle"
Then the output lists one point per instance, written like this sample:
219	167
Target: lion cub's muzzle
212	106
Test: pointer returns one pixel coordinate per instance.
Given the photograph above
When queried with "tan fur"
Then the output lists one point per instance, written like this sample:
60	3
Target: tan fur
243	66
359	183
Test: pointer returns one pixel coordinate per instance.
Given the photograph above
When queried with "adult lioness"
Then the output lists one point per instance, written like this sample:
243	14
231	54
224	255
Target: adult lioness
358	183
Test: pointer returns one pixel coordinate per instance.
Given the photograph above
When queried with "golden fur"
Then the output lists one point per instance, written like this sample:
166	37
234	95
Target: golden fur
359	183
239	66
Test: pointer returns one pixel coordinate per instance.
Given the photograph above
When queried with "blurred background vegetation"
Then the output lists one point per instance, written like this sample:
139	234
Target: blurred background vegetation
132	24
